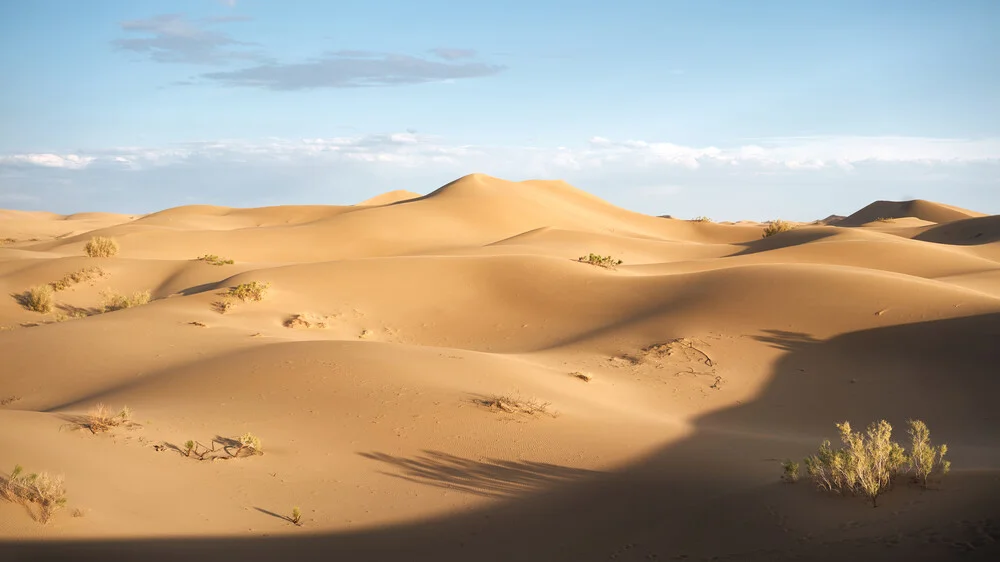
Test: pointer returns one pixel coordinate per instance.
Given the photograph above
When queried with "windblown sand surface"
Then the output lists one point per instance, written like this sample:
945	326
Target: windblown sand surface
712	354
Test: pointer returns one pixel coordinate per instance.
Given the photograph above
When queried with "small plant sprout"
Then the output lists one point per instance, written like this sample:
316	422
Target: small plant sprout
249	443
790	472
188	447
296	517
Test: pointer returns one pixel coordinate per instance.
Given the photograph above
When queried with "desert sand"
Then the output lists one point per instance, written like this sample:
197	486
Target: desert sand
712	355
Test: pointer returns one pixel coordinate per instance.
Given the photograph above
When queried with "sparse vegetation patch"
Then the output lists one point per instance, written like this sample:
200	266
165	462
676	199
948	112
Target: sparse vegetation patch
5	241
701	219
79	276
513	404
606	262
585	377
213	259
101	247
306	321
46	492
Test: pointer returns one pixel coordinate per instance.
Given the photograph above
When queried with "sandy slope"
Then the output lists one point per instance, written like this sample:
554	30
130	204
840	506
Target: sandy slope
429	304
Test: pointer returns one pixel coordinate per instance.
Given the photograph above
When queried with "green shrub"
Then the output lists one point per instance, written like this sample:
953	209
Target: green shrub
777	227
790	471
600	261
253	291
867	464
925	459
296	517
101	247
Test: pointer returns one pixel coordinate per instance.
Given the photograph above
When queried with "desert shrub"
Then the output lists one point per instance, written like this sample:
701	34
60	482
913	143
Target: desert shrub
790	471
885	219
306	321
48	492
925	459
4	241
600	261
79	276
296	517
39	299
249	443
585	377
225	305
101	247
100	419
114	301
215	260
777	227
867	464
701	219
222	448
253	291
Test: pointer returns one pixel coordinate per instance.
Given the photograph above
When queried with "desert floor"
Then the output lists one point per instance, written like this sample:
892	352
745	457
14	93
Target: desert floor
713	355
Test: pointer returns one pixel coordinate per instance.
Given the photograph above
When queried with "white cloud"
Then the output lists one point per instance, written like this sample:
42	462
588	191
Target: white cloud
69	161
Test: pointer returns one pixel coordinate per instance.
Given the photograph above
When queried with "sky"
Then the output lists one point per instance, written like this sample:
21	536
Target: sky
731	109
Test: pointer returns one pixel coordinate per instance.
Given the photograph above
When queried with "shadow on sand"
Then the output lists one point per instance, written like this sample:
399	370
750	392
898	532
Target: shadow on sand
714	495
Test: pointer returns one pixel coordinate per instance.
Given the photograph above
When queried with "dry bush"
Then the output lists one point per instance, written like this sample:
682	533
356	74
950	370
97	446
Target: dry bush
215	260
607	262
867	464
701	219
253	291
113	301
247	444
101	247
585	377
80	276
512	404
39	299
777	227
925	459
47	492
306	321
100	419
4	241
296	517
790	471
885	219
225	305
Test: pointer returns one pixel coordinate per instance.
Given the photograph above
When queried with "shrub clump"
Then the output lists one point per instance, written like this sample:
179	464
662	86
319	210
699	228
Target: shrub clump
114	301
39	299
607	262
47	492
215	260
101	247
253	291
245	445
869	462
790	471
701	219
100	419
777	227
514	404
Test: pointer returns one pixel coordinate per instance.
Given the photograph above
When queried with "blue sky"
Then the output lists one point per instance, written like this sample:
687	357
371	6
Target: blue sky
733	109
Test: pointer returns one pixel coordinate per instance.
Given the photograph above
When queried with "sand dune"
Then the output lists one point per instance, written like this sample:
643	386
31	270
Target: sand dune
712	354
918	209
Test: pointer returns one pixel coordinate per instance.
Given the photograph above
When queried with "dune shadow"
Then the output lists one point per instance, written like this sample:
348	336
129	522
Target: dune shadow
488	478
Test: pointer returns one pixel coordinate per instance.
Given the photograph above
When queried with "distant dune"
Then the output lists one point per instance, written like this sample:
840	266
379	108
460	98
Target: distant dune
441	378
918	208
